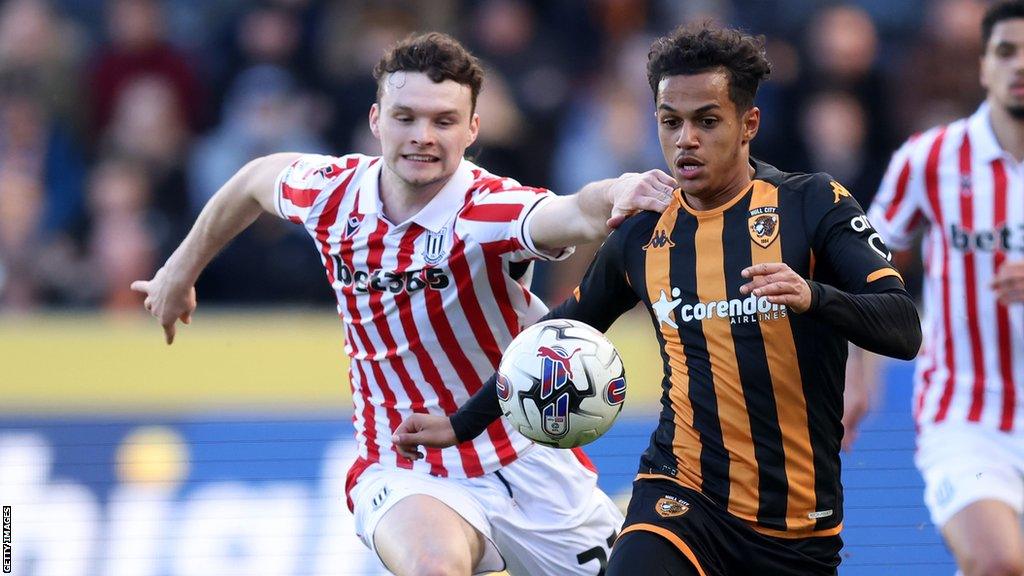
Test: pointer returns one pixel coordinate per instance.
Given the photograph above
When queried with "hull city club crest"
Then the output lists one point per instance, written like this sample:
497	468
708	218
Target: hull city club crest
763	224
434	247
670	507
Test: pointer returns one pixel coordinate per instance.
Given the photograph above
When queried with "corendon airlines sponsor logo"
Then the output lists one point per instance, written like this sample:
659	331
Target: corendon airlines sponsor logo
749	309
1004	238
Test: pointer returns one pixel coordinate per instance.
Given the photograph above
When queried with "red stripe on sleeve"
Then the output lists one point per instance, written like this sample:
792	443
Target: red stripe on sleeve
901	191
300	197
493	212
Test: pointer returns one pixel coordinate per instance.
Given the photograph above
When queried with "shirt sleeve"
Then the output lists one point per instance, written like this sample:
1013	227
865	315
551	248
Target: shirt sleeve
303	186
848	253
896	211
503	213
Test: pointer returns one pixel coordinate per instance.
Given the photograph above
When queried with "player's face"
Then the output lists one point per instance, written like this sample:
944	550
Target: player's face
424	128
1002	67
704	138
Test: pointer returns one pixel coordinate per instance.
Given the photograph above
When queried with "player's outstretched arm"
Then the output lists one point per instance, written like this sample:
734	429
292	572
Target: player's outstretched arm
170	294
590	214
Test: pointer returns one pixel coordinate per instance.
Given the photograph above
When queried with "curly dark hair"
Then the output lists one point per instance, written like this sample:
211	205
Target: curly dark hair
438	55
705	47
997	13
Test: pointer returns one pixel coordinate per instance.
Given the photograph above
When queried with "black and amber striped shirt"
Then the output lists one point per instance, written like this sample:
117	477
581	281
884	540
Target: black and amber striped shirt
752	394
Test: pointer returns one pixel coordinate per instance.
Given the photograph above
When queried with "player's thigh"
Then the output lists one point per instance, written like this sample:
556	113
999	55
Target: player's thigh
963	464
422	535
642	552
555	520
429	521
986	539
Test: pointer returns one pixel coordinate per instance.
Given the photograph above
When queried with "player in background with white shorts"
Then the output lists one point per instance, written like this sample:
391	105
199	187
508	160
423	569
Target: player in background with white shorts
963	185
429	256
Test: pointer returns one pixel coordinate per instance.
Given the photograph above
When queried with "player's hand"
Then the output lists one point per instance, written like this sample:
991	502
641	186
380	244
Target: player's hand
428	430
631	193
856	402
167	300
780	284
1009	282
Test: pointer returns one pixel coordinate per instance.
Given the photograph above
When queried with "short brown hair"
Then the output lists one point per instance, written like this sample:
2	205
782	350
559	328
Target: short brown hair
705	47
997	13
438	55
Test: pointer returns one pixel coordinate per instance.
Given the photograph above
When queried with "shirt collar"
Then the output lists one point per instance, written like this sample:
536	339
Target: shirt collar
436	213
984	145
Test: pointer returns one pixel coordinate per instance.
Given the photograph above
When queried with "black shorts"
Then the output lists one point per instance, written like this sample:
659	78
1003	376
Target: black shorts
718	543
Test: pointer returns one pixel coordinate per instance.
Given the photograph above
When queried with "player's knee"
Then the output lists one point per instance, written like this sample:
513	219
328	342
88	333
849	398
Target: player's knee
993	563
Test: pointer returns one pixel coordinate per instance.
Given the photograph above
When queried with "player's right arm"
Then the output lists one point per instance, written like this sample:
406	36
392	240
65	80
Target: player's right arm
170	294
603	296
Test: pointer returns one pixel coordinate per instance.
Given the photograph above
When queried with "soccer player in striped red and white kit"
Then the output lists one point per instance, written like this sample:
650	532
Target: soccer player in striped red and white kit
963	184
429	256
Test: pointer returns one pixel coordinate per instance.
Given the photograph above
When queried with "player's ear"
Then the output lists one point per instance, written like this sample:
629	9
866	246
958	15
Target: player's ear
474	129
751	121
375	120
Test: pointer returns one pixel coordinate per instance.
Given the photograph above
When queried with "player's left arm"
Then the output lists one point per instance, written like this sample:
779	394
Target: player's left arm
590	214
868	304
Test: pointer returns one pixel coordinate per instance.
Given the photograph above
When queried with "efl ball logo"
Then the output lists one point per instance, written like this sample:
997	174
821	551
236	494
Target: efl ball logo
504	389
616	391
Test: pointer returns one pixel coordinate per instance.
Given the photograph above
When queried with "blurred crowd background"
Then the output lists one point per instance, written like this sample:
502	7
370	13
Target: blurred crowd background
120	118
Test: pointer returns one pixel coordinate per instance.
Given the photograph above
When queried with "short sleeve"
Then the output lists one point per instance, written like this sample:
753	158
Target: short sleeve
896	211
844	242
504	212
300	187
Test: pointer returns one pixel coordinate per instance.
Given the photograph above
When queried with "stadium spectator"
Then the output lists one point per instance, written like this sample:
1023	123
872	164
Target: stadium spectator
137	48
429	257
120	246
960	185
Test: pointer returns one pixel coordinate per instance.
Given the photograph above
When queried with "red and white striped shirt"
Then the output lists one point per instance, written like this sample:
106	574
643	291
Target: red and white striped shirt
968	194
429	304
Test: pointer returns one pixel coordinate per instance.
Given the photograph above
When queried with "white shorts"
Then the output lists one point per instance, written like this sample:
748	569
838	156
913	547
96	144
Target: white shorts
542	514
963	463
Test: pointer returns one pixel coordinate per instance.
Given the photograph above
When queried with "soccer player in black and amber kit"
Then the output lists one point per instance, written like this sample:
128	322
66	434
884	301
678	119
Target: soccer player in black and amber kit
755	282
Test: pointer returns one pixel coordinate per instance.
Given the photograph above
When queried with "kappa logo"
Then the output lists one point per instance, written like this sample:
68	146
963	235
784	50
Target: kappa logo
763	223
660	239
839	191
670	507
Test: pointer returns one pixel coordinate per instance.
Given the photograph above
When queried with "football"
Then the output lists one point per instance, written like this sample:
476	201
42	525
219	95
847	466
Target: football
561	383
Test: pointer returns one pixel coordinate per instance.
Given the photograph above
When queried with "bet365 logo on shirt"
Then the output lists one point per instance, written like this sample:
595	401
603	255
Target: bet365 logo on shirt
395	282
